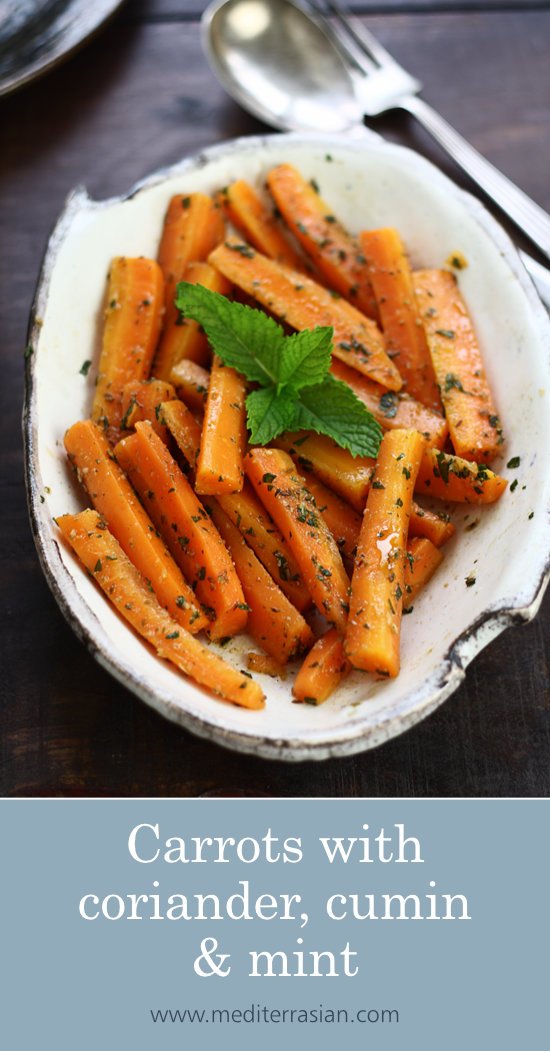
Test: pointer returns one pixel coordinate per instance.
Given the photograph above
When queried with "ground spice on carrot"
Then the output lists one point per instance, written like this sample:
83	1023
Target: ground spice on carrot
130	333
450	477
286	497
187	529
258	223
223	437
334	252
302	303
129	592
273	621
113	496
193	226
391	279
377	587
474	424
322	670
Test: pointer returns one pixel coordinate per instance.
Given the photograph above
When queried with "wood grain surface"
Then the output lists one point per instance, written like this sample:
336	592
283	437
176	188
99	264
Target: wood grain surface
138	97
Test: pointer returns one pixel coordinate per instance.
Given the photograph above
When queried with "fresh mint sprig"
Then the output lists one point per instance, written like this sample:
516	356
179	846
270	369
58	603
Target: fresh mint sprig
296	390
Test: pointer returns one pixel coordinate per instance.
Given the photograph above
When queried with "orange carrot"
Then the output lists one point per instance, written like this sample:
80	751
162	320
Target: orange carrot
474	425
184	339
348	476
391	279
322	670
378	582
141	400
193	226
343	522
393	409
342	482
435	526
423	558
191	536
302	303
292	507
130	334
452	478
191	383
265	665
184	429
223	438
246	513
261	534
257	223
105	560
335	253
272	620
114	498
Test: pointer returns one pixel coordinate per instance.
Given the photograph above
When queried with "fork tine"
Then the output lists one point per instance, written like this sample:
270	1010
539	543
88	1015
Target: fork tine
342	35
364	41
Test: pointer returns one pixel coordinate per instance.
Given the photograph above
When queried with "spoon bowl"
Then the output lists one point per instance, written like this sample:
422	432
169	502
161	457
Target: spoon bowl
280	65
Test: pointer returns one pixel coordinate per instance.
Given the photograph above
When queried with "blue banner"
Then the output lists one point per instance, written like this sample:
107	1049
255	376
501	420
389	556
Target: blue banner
418	924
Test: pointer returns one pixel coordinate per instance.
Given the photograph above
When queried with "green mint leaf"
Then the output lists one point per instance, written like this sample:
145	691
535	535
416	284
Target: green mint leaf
333	409
246	339
305	358
296	390
269	414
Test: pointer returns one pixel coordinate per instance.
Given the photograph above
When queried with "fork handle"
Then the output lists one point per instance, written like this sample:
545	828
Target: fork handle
530	218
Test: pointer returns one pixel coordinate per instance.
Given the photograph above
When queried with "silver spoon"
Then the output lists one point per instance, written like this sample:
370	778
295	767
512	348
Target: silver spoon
280	66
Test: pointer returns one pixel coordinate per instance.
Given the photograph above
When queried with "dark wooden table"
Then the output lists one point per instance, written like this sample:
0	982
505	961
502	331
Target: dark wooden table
138	97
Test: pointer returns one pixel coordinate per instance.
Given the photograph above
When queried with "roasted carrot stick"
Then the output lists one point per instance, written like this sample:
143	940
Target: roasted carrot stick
452	478
348	476
141	400
326	665
393	409
343	522
272	620
323	669
435	526
423	558
292	507
130	334
129	592
190	534
191	383
372	636
184	429
223	438
184	339
335	253
391	278
302	303
257	223
474	425
114	498
259	530
193	226
246	512
265	665
342	481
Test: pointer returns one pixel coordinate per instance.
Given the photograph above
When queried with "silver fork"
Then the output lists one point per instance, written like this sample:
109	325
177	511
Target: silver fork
382	84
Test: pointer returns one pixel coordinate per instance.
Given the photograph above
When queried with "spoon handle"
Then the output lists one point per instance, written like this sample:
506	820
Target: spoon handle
527	215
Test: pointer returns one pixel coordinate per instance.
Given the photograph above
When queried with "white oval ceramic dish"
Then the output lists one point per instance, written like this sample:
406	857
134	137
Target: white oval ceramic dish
368	184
